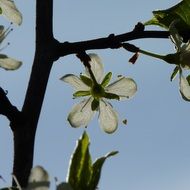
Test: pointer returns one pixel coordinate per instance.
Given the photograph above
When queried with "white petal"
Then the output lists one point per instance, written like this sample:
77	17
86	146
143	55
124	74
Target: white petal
9	63
81	114
10	11
75	81
123	87
38	179
96	67
108	117
184	88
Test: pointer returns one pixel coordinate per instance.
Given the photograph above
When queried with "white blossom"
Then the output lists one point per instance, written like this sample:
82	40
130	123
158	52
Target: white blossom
38	179
96	94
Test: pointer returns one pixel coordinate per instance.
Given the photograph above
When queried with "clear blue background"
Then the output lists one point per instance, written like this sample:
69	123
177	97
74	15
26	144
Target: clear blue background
154	146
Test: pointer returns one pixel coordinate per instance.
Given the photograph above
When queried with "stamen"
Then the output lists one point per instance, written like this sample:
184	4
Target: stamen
104	102
1	49
4	33
85	104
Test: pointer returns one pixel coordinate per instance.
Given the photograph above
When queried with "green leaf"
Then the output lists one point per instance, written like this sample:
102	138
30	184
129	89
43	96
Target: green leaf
86	80
174	73
94	105
179	12
80	165
111	96
106	79
97	167
81	93
82	174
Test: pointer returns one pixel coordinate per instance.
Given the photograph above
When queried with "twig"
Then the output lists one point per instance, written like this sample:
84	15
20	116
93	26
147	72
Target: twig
112	41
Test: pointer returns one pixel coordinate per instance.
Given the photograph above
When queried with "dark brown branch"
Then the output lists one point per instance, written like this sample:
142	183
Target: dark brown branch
24	136
44	21
112	41
8	110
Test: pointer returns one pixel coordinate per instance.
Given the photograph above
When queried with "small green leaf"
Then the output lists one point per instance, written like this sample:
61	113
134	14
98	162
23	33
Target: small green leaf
81	93
179	12
111	96
106	79
174	73
97	167
86	80
95	104
80	165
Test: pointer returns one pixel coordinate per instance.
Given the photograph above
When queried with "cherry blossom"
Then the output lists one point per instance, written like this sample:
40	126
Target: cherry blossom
96	89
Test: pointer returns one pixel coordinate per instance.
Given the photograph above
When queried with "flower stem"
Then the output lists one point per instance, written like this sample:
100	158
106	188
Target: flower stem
92	76
85	59
152	54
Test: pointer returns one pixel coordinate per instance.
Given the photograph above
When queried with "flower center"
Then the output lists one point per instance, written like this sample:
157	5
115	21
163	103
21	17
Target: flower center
97	91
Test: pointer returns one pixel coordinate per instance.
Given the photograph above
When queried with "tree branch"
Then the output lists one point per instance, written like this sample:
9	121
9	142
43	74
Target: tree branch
112	41
24	136
8	110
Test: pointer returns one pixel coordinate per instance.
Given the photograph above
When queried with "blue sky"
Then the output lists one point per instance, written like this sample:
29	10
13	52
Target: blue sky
153	147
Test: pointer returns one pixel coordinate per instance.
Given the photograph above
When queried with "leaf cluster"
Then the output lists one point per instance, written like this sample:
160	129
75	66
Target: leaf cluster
179	12
83	173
